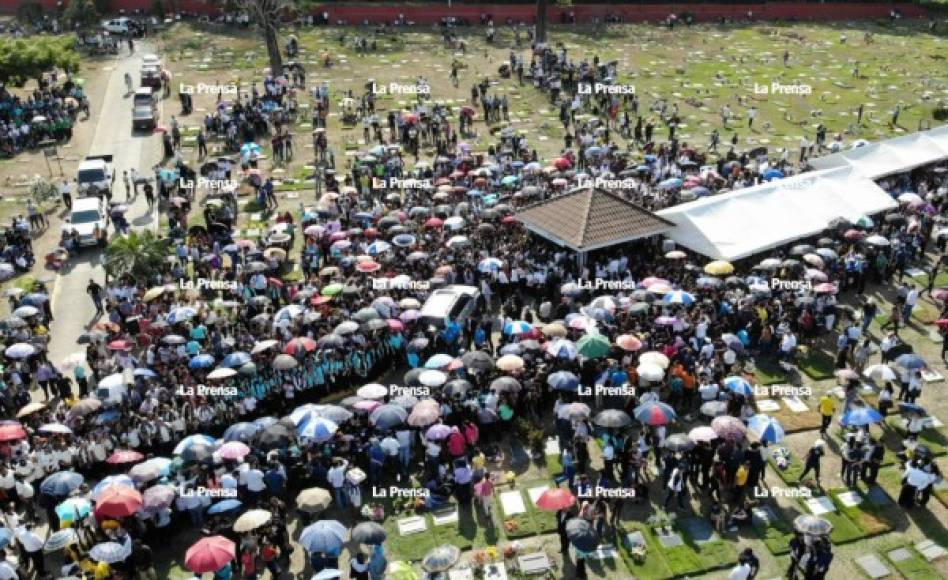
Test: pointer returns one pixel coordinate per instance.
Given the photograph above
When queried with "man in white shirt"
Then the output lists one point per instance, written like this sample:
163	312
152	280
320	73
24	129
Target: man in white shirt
910	299
788	345
337	479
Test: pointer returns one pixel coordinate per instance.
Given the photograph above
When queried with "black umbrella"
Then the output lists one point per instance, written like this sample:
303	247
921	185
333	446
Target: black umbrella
276	435
411	377
457	387
505	384
478	361
895	218
197	452
582	534
368	533
840	223
612	418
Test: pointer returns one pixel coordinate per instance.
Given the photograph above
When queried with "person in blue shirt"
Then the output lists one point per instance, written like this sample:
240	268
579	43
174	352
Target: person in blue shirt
275	480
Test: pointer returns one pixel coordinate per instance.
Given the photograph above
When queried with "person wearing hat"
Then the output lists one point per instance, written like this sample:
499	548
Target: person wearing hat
812	460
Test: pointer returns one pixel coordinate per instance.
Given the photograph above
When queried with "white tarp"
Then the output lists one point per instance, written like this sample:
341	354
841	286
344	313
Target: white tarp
896	155
740	223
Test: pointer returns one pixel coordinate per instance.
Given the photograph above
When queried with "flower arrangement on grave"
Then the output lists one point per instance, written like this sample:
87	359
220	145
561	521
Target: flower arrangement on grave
511	526
511	550
374	512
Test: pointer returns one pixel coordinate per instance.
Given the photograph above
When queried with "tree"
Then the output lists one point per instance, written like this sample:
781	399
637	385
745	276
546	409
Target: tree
541	22
137	254
81	13
266	14
22	59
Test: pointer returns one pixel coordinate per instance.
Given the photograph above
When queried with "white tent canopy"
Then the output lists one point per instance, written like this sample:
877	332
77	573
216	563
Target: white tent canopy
740	223
896	155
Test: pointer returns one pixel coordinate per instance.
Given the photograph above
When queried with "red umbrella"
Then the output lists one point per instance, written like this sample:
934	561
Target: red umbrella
124	456
118	501
434	223
276	282
853	235
943	323
410	118
556	499
371	233
562	163
119	345
368	266
11	431
320	300
209	554
509	220
629	343
300	343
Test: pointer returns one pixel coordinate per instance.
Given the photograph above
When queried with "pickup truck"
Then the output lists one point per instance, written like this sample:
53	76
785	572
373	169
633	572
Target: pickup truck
95	175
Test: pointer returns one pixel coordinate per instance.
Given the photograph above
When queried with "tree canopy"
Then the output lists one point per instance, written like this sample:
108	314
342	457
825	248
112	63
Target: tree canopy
22	59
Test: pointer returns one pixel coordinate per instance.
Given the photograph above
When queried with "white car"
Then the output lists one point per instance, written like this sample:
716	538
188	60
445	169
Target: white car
117	25
455	303
151	60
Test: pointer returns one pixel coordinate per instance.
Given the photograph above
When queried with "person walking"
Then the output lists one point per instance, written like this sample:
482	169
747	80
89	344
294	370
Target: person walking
94	291
812	460
827	408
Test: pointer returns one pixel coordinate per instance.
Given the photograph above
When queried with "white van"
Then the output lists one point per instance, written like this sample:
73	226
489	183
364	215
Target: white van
455	303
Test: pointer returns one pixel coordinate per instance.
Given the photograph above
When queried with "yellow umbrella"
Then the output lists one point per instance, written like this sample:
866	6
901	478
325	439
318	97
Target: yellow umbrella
509	362
313	500
555	330
30	408
153	293
719	268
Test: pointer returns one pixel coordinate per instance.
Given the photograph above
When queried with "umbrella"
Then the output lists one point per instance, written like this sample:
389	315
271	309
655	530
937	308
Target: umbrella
812	525
20	350
477	361
678	297
441	558
368	533
714	408
703	433
457	387
503	384
729	428
510	363
612	419
251	520
233	450
276	435
424	415
593	346
224	506
719	268
766	428
880	373
556	499
628	343
678	442
29	409
192	440
61	483
650	372
158	497
563	381
235	359
73	510
55	429
654	358
323	536
241	432
654	413
317	428
738	385
517	327
120	456
284	362
582	534
334	413
388	416
118	501
562	348
313	500
150	469
209	554
111	553
439	361
438	432
59	540
860	415
911	361
372	391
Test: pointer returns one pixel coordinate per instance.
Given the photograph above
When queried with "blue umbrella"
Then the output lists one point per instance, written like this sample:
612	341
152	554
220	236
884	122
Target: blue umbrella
911	361
264	422
323	536
739	385
700	191
651	158
404	240
563	381
108	416
510	180
517	164
600	314
377	247
672	183
861	416
109	552
489	265
181	314
438	361
73	509
235	359
317	428
241	432
594	150
61	483
143	372
517	327
772	174
190	440
767	428
201	361
224	506
563	349
679	297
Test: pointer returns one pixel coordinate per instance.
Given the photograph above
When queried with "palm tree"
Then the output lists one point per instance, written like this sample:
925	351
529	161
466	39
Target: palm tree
137	254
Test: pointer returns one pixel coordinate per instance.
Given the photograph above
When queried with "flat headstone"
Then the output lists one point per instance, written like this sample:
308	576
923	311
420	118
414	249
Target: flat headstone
931	551
444	517
412	525
536	492
768	406
850	498
873	566
552	447
699	530
820	505
795	404
670	540
763	516
900	554
878	496
634	539
931	376
512	502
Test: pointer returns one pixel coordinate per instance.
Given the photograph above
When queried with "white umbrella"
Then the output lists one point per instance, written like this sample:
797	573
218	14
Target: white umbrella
20	350
880	373
221	373
111	381
432	378
372	391
263	345
26	311
283	362
251	520
650	372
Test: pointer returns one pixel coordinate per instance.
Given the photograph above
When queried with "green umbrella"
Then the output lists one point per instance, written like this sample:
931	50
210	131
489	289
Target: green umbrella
332	290
593	346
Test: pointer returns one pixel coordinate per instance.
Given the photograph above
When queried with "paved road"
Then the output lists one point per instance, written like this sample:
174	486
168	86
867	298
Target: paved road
72	308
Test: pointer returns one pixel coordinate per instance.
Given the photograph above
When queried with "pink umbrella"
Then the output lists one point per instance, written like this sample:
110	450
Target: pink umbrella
366	406
651	280
703	433
395	325
940	294
825	288
423	415
233	450
628	342
665	320
729	428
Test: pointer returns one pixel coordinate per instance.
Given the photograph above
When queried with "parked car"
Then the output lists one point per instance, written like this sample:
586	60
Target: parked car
89	220
144	118
455	303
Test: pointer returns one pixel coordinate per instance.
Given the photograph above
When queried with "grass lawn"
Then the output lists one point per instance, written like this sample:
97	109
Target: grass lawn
795	422
768	373
691	558
553	465
817	364
412	547
913	568
655	565
777	535
933	438
790	475
471	531
870	518
844	529
521	525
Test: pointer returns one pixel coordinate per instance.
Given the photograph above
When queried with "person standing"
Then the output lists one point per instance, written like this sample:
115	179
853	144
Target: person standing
797	550
827	408
812	460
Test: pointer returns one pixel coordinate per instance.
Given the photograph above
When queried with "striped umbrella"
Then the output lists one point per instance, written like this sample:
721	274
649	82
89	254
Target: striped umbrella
654	413
739	385
766	428
679	297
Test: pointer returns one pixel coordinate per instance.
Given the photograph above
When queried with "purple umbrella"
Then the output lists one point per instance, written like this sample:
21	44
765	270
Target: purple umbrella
438	432
158	497
729	428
